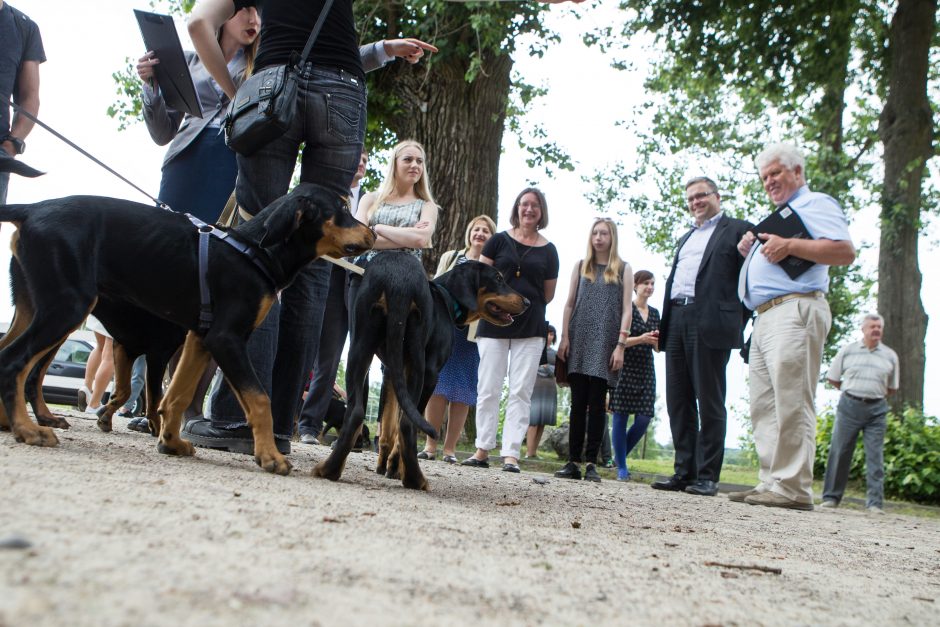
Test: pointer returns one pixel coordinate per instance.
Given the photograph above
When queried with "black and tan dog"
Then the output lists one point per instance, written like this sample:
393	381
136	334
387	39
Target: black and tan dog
80	251
408	322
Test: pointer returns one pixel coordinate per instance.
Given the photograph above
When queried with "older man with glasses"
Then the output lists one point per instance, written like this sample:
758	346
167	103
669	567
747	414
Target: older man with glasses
792	322
702	320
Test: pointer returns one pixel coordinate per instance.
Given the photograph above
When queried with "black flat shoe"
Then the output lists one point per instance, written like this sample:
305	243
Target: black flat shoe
201	432
704	487
672	484
473	462
569	471
511	468
590	474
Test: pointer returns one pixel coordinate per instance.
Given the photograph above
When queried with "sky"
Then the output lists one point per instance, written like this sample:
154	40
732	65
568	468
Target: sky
586	99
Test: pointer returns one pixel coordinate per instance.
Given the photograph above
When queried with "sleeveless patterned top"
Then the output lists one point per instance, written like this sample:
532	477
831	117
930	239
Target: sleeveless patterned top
396	215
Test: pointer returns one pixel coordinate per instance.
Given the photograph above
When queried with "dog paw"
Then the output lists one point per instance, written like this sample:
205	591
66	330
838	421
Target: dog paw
55	422
418	483
276	463
37	436
327	471
176	446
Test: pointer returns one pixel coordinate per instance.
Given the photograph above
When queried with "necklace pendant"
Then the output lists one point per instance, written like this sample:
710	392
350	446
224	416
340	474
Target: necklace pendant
518	274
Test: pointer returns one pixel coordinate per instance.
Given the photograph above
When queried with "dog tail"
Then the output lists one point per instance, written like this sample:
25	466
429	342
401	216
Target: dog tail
13	213
395	366
9	164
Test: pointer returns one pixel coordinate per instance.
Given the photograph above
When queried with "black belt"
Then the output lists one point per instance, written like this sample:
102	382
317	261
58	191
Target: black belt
682	302
862	399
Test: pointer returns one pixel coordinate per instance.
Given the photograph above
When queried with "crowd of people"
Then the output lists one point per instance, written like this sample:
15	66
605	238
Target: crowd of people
725	273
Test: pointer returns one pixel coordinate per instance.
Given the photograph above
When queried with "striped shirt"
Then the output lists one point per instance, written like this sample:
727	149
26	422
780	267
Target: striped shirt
865	372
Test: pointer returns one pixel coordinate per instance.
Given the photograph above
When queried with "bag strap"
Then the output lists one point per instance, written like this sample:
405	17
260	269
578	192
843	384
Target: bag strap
316	31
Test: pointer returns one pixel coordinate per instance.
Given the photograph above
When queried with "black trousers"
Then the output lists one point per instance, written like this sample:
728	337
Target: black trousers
588	414
695	398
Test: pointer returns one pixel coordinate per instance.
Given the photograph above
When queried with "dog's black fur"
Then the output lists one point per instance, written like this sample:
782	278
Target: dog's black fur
408	322
121	258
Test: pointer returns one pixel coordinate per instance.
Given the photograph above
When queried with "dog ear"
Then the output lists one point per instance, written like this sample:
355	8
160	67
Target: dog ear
281	223
463	282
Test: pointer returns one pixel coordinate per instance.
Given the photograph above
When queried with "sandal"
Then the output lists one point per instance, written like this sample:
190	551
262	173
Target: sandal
473	462
427	455
450	459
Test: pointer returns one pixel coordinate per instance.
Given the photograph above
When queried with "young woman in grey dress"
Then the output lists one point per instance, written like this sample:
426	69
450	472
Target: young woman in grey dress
544	410
596	323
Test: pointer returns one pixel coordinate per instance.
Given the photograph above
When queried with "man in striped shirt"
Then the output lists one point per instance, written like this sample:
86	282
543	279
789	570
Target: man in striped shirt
866	372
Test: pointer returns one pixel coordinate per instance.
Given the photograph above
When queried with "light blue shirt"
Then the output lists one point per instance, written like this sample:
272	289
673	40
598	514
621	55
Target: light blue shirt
690	258
824	219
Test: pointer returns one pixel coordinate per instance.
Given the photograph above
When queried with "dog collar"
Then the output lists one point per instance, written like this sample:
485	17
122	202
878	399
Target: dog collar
460	315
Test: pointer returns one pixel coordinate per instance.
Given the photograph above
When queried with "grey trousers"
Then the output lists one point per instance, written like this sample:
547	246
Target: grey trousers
853	416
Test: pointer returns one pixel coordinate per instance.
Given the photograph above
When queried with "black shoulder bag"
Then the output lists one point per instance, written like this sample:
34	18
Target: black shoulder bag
264	104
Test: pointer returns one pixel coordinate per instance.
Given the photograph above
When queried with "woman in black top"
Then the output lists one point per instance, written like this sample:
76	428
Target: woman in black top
529	263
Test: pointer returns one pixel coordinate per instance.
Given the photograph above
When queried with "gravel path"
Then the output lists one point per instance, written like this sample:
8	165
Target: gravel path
120	535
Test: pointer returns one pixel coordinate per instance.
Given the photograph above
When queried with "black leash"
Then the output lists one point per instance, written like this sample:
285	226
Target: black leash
30	116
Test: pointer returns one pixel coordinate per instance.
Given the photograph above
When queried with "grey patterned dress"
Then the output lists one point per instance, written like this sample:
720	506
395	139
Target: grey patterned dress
406	215
594	327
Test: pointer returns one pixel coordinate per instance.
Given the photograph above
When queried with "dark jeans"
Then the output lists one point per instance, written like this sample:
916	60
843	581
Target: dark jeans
588	414
695	394
332	338
4	185
330	123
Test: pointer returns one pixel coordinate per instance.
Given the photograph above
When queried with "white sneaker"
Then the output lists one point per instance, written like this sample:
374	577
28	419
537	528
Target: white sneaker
829	504
91	413
874	509
309	438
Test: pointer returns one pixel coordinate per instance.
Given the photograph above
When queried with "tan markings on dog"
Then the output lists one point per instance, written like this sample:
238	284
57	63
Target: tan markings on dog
122	386
22	316
180	394
44	415
381	304
23	428
257	408
15	240
388	437
336	239
263	307
510	303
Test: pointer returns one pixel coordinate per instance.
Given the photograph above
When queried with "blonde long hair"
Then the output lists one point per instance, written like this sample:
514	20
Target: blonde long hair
422	188
614	270
485	219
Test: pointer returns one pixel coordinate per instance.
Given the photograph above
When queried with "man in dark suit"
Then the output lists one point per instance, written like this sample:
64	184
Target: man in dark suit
702	321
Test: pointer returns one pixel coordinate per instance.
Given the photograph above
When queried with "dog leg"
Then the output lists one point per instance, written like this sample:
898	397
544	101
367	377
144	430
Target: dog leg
122	386
231	353
156	367
22	316
14	399
179	395
44	415
388	440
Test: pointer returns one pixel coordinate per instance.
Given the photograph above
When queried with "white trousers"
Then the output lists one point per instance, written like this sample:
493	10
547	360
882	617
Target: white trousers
522	358
786	351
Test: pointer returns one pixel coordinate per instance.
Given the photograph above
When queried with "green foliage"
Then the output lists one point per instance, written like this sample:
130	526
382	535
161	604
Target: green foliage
911	455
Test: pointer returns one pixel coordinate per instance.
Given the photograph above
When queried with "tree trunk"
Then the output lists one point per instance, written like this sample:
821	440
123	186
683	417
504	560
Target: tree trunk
460	124
906	130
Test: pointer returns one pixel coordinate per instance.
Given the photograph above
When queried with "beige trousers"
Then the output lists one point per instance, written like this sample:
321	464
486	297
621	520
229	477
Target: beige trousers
786	351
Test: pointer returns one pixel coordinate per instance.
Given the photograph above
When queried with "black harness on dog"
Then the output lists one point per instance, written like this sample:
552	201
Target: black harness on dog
271	272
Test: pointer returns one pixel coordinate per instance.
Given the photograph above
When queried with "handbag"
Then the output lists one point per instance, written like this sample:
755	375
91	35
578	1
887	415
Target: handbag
265	103
561	372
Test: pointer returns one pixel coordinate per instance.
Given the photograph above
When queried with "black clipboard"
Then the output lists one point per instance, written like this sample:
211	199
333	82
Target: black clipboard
786	222
172	72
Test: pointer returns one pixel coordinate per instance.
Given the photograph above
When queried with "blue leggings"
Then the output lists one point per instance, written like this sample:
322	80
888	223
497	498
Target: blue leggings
624	441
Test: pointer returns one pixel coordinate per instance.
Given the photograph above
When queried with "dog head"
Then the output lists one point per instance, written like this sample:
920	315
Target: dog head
9	164
481	290
316	217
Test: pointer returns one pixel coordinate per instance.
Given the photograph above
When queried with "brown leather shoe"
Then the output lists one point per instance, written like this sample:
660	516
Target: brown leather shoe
772	499
738	497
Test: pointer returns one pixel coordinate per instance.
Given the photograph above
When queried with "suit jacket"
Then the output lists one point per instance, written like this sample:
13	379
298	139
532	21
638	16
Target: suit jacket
721	316
166	125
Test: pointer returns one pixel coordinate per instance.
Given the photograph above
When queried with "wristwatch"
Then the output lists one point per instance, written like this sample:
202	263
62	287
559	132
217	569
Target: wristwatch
18	143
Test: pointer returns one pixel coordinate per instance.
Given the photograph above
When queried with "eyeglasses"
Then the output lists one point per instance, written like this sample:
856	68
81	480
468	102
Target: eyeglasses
691	200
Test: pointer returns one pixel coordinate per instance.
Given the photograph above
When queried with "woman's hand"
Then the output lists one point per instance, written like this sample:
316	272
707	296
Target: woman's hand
563	349
410	49
145	69
616	359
